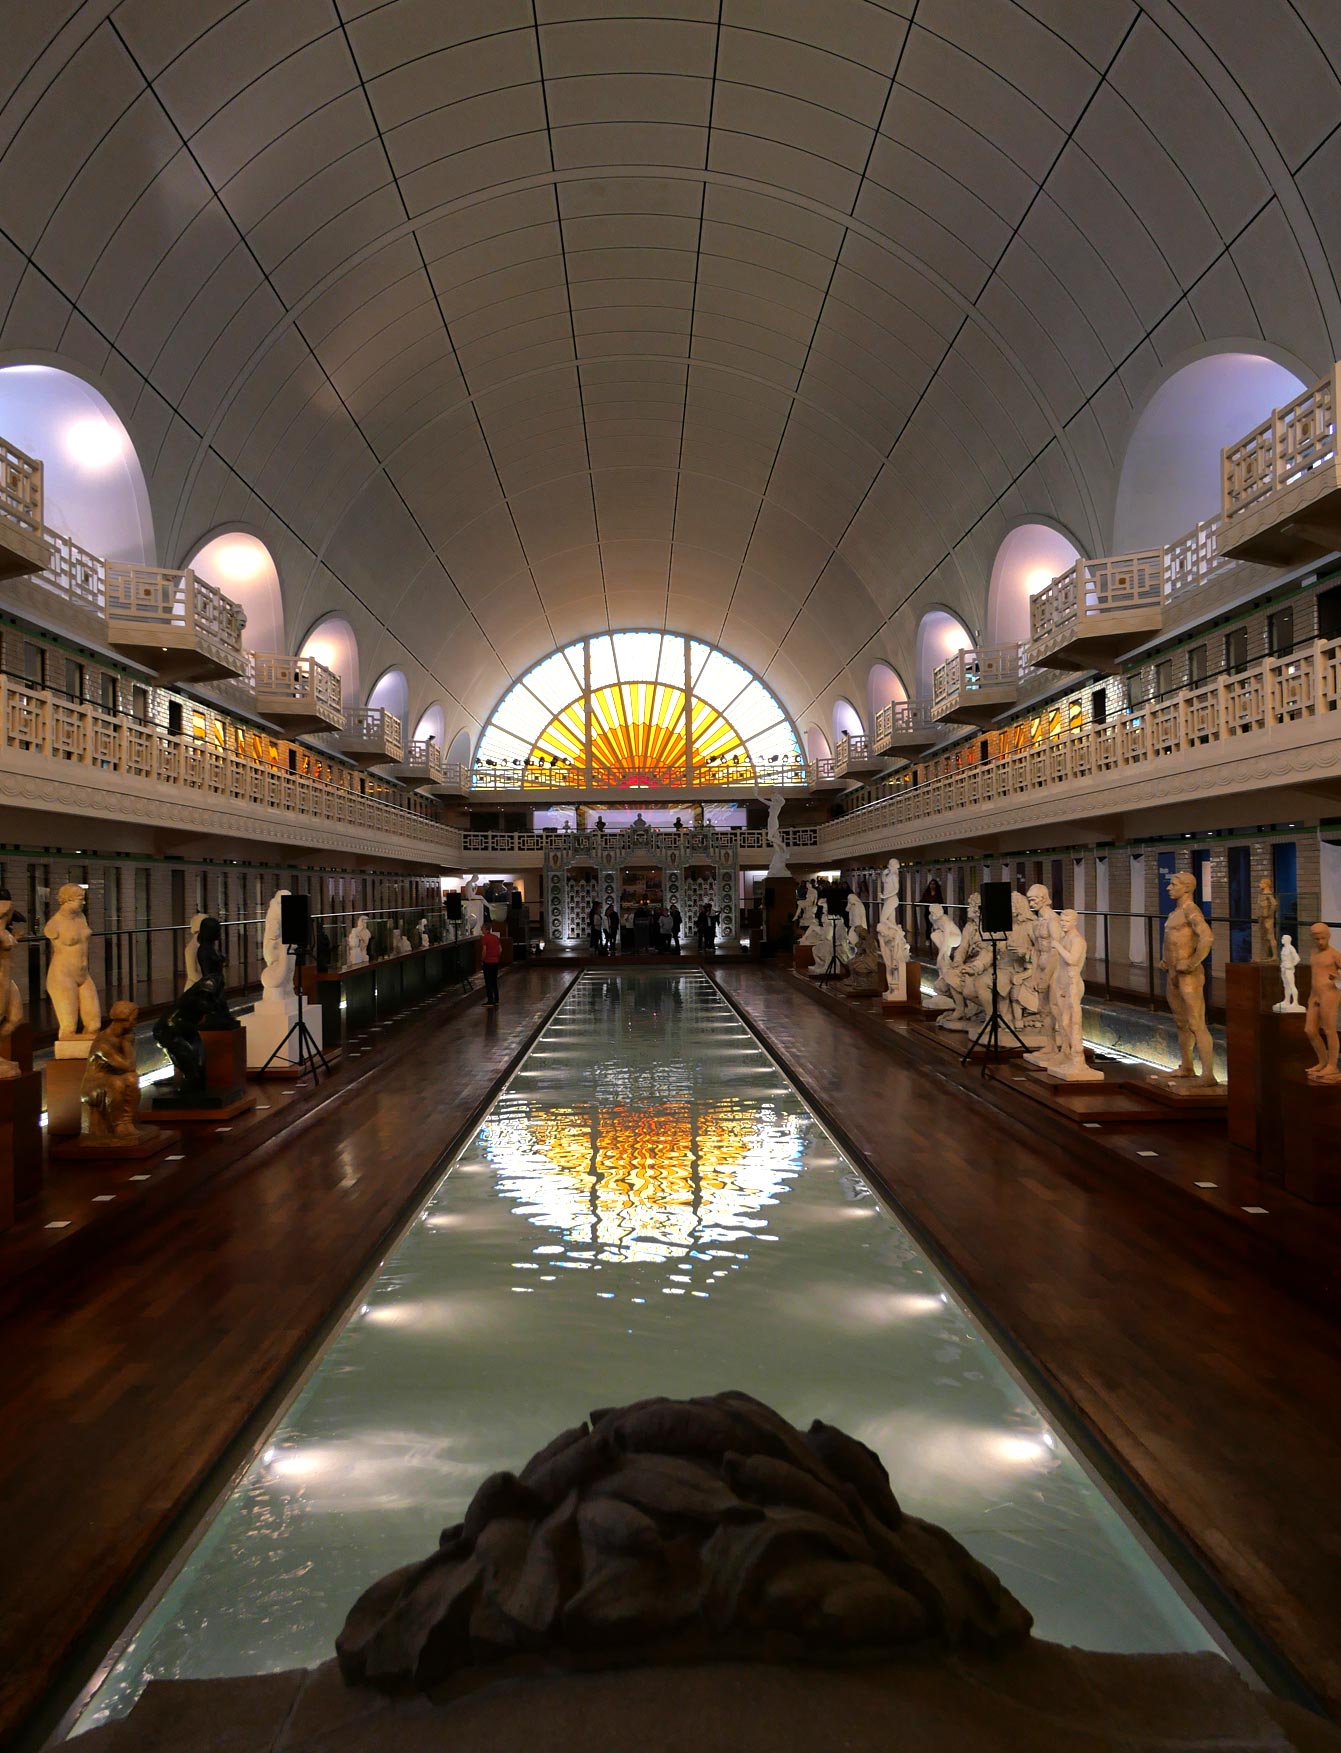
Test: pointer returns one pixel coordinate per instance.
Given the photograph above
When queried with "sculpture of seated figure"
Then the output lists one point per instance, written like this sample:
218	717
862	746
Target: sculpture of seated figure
109	1096
211	962
945	940
277	975
177	1032
421	931
856	918
967	965
804	916
74	997
357	942
400	944
814	933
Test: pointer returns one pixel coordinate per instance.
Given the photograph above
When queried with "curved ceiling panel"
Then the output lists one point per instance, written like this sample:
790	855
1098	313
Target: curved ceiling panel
500	322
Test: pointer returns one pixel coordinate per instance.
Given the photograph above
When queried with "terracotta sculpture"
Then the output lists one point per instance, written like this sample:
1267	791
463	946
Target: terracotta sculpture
1323	999
1068	993
1266	910
277	975
109	1096
1187	943
74	997
11	999
357	942
945	940
1047	937
1289	961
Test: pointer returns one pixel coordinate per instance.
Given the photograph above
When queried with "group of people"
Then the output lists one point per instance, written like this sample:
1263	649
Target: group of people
656	928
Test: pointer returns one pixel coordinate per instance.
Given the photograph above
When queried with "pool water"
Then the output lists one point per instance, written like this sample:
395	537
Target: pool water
649	1208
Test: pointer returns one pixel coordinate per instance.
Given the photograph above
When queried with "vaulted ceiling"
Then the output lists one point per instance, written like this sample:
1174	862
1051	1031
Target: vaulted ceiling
504	321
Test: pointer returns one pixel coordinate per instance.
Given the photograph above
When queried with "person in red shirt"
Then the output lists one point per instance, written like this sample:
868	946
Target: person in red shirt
491	954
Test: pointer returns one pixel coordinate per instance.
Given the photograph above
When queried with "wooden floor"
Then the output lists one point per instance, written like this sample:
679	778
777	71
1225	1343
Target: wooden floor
122	1389
1212	1386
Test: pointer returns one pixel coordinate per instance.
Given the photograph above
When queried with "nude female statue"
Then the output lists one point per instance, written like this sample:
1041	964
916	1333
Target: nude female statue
1266	917
70	987
1187	943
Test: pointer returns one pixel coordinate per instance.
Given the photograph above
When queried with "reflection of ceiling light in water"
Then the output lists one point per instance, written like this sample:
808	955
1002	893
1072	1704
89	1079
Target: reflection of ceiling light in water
644	1181
94	443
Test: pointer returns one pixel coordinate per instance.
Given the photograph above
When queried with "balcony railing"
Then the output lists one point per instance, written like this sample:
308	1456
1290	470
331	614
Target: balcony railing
371	734
629	839
854	756
1280	482
22	545
1080	600
296	688
903	721
419	764
74	575
1247	705
35	722
989	675
609	780
180	624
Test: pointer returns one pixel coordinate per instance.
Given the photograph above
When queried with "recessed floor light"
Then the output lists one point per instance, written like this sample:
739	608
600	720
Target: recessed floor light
1257	1210
1147	1153
103	1198
179	1158
61	1223
1208	1183
139	1177
1091	1125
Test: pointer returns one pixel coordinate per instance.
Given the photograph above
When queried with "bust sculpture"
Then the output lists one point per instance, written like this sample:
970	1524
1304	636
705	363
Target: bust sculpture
277	975
1289	961
356	943
1266	910
109	1096
1187	943
1323	998
70	987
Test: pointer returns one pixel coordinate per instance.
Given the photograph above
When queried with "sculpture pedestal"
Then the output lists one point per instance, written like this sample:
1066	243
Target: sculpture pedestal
226	1058
20	1142
64	1075
17	1044
1297	1120
197	1105
899	1004
267	1026
148	1141
802	956
1206	1100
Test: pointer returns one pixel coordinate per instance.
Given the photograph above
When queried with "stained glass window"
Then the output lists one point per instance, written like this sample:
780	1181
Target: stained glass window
627	693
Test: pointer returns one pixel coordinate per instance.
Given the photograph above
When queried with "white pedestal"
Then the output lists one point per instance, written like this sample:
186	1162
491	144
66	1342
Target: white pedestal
77	1047
269	1023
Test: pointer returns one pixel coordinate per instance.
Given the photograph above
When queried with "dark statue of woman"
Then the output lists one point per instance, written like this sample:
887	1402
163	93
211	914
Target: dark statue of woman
212	961
177	1032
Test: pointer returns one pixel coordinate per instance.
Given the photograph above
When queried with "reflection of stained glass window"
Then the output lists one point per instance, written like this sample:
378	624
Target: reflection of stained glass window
636	712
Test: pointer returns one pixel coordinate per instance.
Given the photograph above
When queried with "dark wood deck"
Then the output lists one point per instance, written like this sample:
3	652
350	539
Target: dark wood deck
1210	1385
123	1388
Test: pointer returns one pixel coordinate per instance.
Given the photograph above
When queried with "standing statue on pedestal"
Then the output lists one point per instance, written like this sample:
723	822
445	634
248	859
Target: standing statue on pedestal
109	1096
1187	943
778	865
74	997
1047	938
1323	998
944	940
357	943
191	954
1289	961
856	918
1068	995
804	916
1266	911
893	942
277	975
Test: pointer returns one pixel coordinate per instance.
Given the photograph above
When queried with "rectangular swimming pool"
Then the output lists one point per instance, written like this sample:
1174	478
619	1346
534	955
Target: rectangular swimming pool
648	1208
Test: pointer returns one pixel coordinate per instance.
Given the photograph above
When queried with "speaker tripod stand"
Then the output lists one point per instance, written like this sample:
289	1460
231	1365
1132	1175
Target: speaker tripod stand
309	1054
988	1036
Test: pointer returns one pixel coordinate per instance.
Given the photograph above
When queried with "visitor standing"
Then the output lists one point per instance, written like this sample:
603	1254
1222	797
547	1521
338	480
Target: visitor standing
706	927
491	954
611	929
677	921
595	927
664	928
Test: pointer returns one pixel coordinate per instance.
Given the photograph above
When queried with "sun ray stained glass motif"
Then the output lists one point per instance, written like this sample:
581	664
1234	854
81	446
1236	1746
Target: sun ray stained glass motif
643	727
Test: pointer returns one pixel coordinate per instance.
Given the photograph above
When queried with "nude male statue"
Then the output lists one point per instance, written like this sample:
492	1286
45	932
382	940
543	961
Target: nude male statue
1266	911
1323	999
1187	943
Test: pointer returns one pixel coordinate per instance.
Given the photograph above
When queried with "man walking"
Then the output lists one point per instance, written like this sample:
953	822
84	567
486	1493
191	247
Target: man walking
491	954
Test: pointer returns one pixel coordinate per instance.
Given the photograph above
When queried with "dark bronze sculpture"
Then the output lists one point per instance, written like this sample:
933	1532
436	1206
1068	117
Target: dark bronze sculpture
177	1032
212	961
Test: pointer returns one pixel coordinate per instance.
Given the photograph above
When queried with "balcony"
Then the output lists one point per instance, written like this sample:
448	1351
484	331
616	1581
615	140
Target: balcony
1093	614
369	736
1281	484
855	758
905	729
420	764
824	781
175	624
976	686
298	694
23	547
567	782
452	784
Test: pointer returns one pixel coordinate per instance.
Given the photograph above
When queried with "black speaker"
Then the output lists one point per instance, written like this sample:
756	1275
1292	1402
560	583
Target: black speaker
996	915
455	911
515	901
295	921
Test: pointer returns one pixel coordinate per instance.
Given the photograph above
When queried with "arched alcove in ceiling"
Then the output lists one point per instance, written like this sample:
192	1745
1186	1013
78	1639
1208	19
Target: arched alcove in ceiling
333	642
939	636
884	687
818	747
432	726
243	568
846	720
459	753
1028	560
391	692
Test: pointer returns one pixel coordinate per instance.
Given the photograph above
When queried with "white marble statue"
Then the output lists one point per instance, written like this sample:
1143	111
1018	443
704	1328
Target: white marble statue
833	944
1289	961
191	954
401	944
356	943
421	932
804	916
70	986
968	974
815	933
1047	937
856	918
472	909
893	942
778	865
277	975
944	940
1068	994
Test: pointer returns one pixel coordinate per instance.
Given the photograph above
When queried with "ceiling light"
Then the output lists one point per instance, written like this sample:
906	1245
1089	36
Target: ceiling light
94	443
236	558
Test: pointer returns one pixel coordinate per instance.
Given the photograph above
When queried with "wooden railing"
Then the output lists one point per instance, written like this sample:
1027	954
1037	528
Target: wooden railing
1295	440
969	672
20	489
373	728
852	752
1093	588
36	722
176	608
1273	692
300	680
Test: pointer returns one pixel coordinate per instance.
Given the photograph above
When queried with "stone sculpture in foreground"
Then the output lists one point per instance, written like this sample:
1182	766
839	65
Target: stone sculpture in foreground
685	1530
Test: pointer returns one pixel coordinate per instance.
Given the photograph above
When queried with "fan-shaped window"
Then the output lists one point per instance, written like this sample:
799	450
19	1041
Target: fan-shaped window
243	568
1028	560
332	642
939	636
654	707
92	484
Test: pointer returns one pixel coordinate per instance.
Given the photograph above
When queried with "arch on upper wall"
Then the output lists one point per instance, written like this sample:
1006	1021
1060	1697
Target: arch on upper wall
93	485
846	720
884	687
243	568
817	744
939	636
332	641
1170	476
1031	555
459	753
432	727
391	691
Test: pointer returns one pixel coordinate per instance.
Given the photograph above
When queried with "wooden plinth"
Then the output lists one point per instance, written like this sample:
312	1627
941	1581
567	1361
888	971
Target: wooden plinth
1297	1120
20	1142
148	1141
225	1059
64	1078
225	1110
18	1046
1109	1104
959	1041
1251	988
1206	1100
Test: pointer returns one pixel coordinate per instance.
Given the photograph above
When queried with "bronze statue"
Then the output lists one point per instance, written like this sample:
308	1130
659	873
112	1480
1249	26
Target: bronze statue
1266	911
210	986
177	1032
109	1097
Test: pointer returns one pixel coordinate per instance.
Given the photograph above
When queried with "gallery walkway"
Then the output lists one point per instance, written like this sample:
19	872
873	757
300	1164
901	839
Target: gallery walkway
1174	1351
